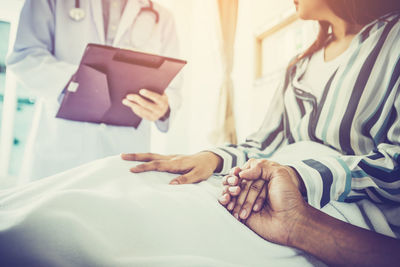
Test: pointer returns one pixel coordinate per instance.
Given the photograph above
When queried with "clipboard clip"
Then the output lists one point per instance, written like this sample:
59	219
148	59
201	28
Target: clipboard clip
72	87
139	59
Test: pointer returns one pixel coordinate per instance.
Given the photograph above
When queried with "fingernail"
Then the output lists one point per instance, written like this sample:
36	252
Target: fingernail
131	97
243	214
143	91
233	189
231	180
223	198
230	206
225	190
236	216
256	207
174	182
125	101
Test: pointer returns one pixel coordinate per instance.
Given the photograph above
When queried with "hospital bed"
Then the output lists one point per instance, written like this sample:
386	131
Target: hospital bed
99	214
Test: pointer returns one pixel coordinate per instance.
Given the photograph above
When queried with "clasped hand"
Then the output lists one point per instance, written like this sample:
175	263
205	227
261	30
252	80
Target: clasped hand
266	197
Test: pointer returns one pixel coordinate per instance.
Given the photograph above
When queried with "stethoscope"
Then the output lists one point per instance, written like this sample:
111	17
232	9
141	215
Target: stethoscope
77	13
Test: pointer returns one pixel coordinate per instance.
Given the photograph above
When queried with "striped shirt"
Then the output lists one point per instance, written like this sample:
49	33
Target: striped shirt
358	115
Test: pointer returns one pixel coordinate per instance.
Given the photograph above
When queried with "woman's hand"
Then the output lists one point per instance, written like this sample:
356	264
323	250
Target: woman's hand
194	168
279	186
147	104
254	201
234	185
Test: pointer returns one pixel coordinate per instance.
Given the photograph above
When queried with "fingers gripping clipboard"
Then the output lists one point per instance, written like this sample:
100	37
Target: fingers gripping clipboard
105	76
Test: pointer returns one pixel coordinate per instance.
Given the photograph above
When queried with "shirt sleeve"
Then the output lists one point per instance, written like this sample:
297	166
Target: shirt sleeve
261	144
375	176
170	48
31	60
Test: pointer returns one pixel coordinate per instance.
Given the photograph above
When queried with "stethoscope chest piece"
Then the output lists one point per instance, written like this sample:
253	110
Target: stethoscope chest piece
77	14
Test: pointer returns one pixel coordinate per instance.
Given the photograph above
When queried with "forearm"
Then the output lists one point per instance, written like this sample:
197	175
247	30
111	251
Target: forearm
341	244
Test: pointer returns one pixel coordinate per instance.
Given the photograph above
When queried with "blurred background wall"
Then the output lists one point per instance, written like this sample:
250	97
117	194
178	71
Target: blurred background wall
200	37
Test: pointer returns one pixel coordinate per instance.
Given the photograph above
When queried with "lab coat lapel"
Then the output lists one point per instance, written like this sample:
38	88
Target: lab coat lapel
129	15
97	13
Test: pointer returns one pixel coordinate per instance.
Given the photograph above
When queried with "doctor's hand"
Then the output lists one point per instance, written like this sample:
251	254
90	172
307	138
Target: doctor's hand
147	104
193	169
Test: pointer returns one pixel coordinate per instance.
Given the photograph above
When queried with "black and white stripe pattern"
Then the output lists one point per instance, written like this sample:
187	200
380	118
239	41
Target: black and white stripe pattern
358	115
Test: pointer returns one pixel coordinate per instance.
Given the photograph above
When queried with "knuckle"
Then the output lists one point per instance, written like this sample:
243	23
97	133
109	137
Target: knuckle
182	179
234	190
247	205
274	164
260	200
263	193
237	206
259	164
156	164
256	187
177	163
252	160
280	171
129	156
196	172
177	158
141	167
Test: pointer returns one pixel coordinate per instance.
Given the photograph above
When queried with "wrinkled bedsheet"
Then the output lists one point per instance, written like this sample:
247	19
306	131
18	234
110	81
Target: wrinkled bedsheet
100	214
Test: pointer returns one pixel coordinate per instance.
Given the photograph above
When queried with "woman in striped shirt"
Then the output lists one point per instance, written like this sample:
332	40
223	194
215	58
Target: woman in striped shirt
343	93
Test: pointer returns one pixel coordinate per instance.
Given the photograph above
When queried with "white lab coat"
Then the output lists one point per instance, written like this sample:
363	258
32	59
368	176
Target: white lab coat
48	49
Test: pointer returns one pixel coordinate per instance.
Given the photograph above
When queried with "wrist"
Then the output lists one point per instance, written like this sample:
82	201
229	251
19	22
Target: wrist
166	115
298	180
301	227
215	160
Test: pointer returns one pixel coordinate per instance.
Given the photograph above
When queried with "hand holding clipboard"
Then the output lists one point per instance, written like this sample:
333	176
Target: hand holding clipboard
148	105
106	75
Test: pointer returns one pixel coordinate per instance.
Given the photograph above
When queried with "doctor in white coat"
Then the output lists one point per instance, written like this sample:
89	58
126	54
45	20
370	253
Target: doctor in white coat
50	42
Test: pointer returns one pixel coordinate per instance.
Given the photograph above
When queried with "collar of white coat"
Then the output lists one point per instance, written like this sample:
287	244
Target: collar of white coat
131	11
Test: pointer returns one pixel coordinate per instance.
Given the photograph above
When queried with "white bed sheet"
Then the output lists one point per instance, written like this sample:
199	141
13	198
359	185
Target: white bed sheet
99	214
